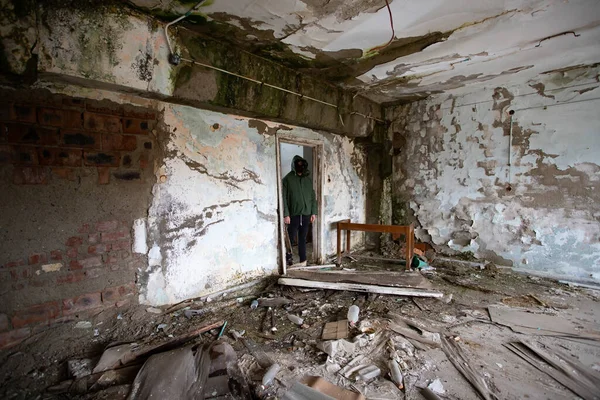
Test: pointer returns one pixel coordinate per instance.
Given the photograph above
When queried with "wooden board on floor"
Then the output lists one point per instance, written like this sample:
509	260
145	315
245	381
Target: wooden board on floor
355	287
380	278
335	330
540	324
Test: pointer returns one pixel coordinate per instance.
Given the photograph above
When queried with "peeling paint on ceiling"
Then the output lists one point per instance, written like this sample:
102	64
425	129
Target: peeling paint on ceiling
438	46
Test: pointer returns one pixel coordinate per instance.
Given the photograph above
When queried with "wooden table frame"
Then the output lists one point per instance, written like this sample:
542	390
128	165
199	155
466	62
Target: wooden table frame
395	230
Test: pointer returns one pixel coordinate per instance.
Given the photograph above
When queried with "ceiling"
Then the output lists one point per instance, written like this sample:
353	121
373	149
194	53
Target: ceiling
437	46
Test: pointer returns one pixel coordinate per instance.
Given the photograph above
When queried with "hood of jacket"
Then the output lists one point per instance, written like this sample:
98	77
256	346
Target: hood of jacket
296	158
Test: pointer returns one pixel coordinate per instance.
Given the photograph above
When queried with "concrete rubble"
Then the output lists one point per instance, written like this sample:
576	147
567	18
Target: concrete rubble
396	350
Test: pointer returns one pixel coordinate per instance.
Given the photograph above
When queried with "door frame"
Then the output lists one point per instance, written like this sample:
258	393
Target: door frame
317	171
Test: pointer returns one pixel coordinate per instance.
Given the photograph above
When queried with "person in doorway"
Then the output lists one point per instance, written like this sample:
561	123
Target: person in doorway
299	204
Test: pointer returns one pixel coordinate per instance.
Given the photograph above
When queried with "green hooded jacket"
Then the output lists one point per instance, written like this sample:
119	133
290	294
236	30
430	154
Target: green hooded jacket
298	194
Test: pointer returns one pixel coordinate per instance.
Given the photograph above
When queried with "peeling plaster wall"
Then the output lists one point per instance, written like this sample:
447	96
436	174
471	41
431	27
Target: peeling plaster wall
451	172
213	221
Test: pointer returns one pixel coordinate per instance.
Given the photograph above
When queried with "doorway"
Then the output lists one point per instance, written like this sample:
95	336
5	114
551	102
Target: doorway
287	149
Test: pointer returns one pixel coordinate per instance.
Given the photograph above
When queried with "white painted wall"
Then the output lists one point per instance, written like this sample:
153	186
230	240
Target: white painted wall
454	171
213	223
288	151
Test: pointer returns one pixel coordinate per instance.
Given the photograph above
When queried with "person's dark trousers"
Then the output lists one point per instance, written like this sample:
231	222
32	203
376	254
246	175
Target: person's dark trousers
299	226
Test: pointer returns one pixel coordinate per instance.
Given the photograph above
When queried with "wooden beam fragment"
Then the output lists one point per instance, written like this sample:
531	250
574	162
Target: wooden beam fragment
354	287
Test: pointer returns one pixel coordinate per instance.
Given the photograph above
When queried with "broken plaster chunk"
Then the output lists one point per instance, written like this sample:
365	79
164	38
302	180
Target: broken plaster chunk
437	387
295	319
270	374
83	325
368	373
51	267
79	368
154	310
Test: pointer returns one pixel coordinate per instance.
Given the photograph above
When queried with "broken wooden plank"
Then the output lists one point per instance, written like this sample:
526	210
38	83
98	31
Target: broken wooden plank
574	385
457	357
354	287
379	278
123	354
412	334
538	324
311	267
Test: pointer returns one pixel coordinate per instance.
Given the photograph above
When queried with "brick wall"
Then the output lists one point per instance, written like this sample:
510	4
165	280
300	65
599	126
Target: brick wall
75	174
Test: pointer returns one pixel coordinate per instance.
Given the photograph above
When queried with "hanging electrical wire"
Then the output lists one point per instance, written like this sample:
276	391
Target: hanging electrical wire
175	59
379	48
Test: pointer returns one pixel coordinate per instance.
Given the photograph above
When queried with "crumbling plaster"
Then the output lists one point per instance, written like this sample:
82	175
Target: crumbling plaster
213	221
542	212
437	45
112	46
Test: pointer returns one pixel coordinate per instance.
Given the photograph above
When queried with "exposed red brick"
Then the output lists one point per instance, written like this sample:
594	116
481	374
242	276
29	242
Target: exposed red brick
27	273
56	255
107	159
110	258
143	162
73	102
124	303
118	142
64	173
125	254
37	258
91	262
85	228
102	123
71	277
82	303
26	155
103	107
6	112
50	116
24	113
94	273
93	238
99	248
40	313
72	119
83	140
105	226
138	113
40	282
75	265
114	236
30	176
103	175
122	245
74	241
28	134
4	323
14	337
60	157
15	274
7	154
13	264
137	126
117	293
72	252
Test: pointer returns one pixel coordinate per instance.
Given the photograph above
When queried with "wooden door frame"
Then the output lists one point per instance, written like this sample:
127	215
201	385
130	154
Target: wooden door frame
317	171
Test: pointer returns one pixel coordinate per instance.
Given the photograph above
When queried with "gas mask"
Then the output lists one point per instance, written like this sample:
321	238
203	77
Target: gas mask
301	166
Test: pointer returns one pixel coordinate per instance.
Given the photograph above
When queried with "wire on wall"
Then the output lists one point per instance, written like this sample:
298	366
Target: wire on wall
176	59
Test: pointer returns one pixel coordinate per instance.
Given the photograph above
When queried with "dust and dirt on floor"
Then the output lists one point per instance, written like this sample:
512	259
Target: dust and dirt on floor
266	342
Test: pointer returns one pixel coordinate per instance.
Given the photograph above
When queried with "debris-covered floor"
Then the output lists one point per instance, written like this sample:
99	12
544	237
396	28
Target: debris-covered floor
427	338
